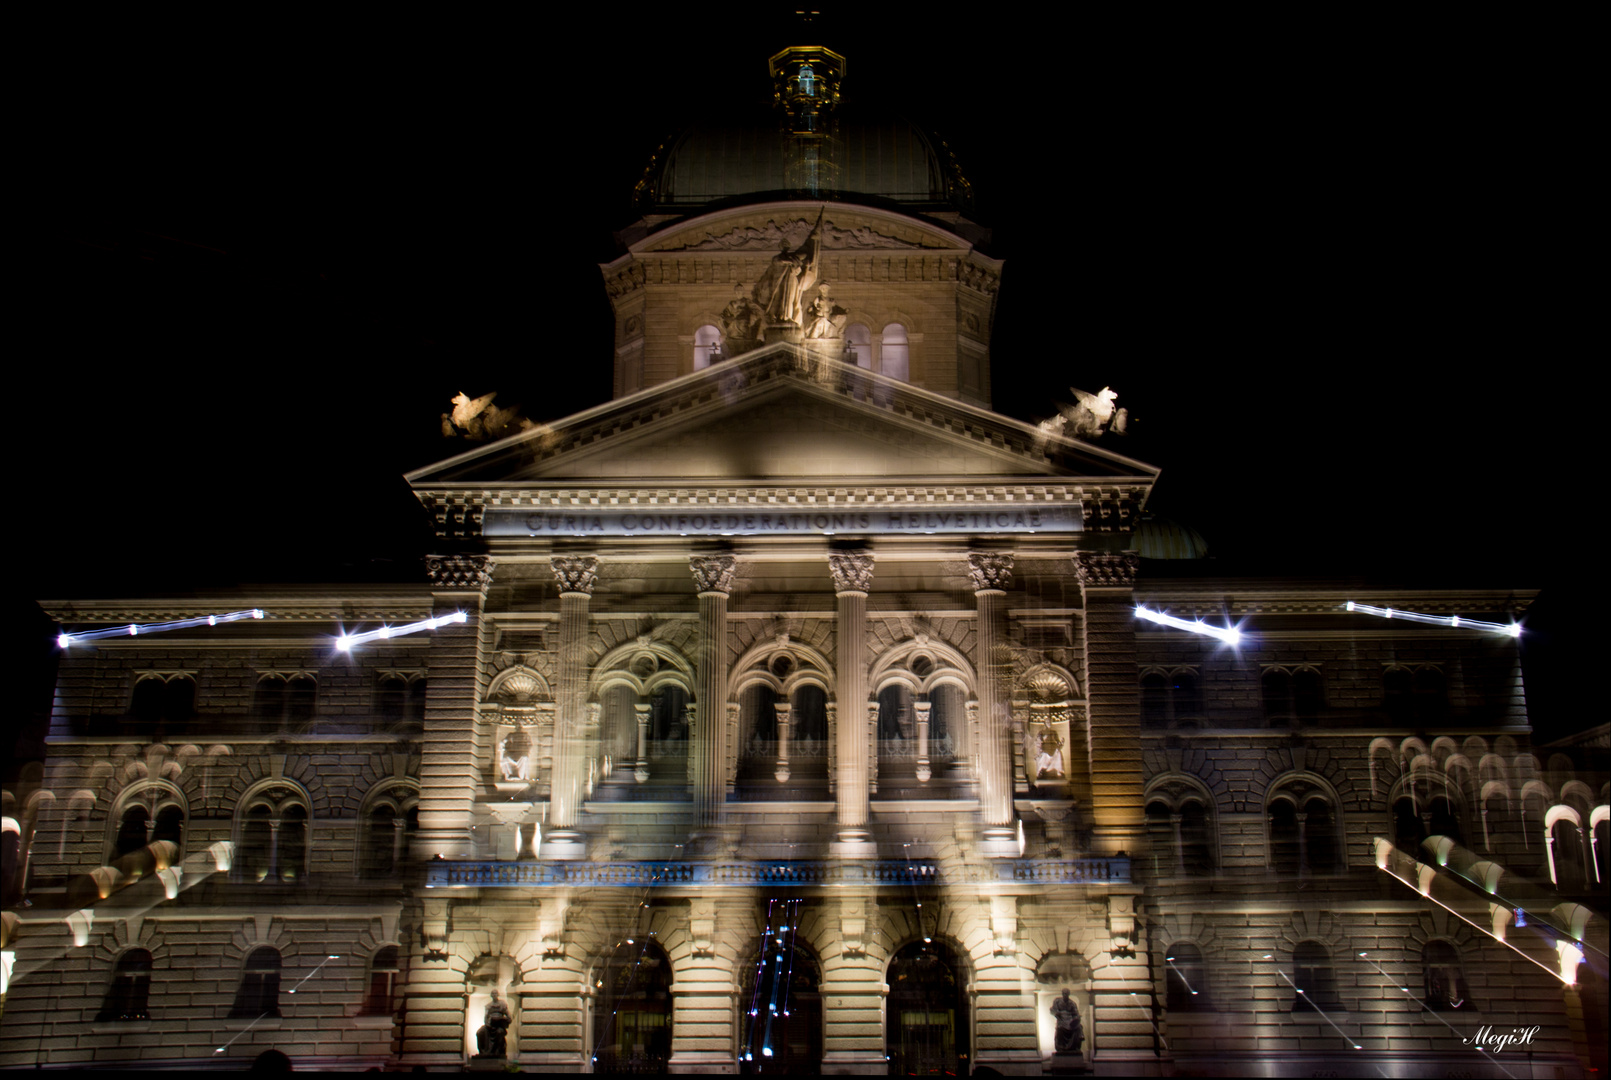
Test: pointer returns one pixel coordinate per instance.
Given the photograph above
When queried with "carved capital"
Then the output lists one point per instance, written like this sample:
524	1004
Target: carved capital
851	573
575	573
990	572
713	573
1107	569
459	571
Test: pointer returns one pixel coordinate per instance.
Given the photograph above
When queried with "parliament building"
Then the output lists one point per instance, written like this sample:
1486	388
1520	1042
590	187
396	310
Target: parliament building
793	711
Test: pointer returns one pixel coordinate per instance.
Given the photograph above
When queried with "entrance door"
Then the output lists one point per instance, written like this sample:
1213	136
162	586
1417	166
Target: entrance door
782	1013
632	1010
926	1032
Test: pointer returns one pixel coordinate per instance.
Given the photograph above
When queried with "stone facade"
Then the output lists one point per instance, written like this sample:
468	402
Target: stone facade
791	711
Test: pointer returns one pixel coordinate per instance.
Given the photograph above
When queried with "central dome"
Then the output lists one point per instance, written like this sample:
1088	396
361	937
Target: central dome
886	159
809	145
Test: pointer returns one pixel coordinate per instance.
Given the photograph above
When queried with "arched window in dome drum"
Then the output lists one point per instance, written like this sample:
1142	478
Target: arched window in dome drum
894	353
707	347
859	339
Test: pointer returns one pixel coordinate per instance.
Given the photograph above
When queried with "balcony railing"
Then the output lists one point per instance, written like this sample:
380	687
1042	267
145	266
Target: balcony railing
799	873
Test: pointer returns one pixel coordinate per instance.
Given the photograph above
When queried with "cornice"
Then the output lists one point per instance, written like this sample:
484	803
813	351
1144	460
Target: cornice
1300	599
302	608
713	389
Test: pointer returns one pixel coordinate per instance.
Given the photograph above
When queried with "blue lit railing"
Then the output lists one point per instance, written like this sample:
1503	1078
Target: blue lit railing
481	874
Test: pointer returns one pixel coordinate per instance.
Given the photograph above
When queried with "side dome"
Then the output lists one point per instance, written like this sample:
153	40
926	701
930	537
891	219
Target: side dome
1157	537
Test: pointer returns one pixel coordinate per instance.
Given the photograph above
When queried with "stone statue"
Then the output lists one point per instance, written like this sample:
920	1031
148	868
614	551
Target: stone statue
741	320
1049	760
1093	416
515	758
491	1037
824	318
789	277
479	420
1069	1035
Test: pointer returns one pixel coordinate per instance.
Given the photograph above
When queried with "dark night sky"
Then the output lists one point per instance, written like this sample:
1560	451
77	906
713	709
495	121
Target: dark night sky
1321	265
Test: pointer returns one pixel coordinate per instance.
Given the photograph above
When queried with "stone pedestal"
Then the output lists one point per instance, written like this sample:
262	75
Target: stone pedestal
1067	1065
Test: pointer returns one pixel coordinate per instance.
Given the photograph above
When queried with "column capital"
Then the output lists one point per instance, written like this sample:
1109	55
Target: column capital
459	571
713	573
990	571
851	573
575	573
1107	569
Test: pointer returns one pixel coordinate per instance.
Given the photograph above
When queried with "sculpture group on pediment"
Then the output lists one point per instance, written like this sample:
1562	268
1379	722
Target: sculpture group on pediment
825	319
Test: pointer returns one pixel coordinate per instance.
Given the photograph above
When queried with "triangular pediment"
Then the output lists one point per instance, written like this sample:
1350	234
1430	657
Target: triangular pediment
784	413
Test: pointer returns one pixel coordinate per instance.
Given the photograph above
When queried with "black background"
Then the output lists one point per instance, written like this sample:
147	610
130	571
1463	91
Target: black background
1328	266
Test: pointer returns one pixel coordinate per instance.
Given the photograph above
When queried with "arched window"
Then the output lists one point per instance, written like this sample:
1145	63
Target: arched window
1276	686
1308	692
1188	698
707	347
1311	971
292	702
268	700
1566	856
170	826
273	830
1431	698
859	340
414	715
1196	839
130	992
259	993
1284	836
159	700
1154	700
301	700
668	716
382	981
894	354
391	699
131	832
948	719
896	725
390	822
1398	693
1186	978
1161	838
618	724
1408	830
1445	979
1320	836
1445	819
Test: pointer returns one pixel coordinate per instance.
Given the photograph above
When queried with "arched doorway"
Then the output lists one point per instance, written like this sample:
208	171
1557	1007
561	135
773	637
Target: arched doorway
926	1029
632	1009
781	1017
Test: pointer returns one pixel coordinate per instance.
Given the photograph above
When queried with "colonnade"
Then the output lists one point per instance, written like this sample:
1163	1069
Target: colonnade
854	738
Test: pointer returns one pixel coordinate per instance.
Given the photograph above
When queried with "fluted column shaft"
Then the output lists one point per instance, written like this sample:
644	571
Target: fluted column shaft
853	577
575	576
713	577
992	574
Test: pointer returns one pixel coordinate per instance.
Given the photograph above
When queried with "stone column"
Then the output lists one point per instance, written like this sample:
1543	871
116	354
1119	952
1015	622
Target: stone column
782	772
449	777
922	708
852	578
992	576
641	772
713	578
575	575
1113	735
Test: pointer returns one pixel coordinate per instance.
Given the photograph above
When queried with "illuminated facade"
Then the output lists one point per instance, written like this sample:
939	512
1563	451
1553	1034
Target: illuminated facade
799	719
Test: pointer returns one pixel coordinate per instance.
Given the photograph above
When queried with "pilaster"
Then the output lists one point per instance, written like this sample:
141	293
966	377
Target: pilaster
1107	580
575	575
991	573
852	578
448	772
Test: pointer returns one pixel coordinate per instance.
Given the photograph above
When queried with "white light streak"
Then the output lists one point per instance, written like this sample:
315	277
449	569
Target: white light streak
136	629
1228	634
347	642
1512	629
